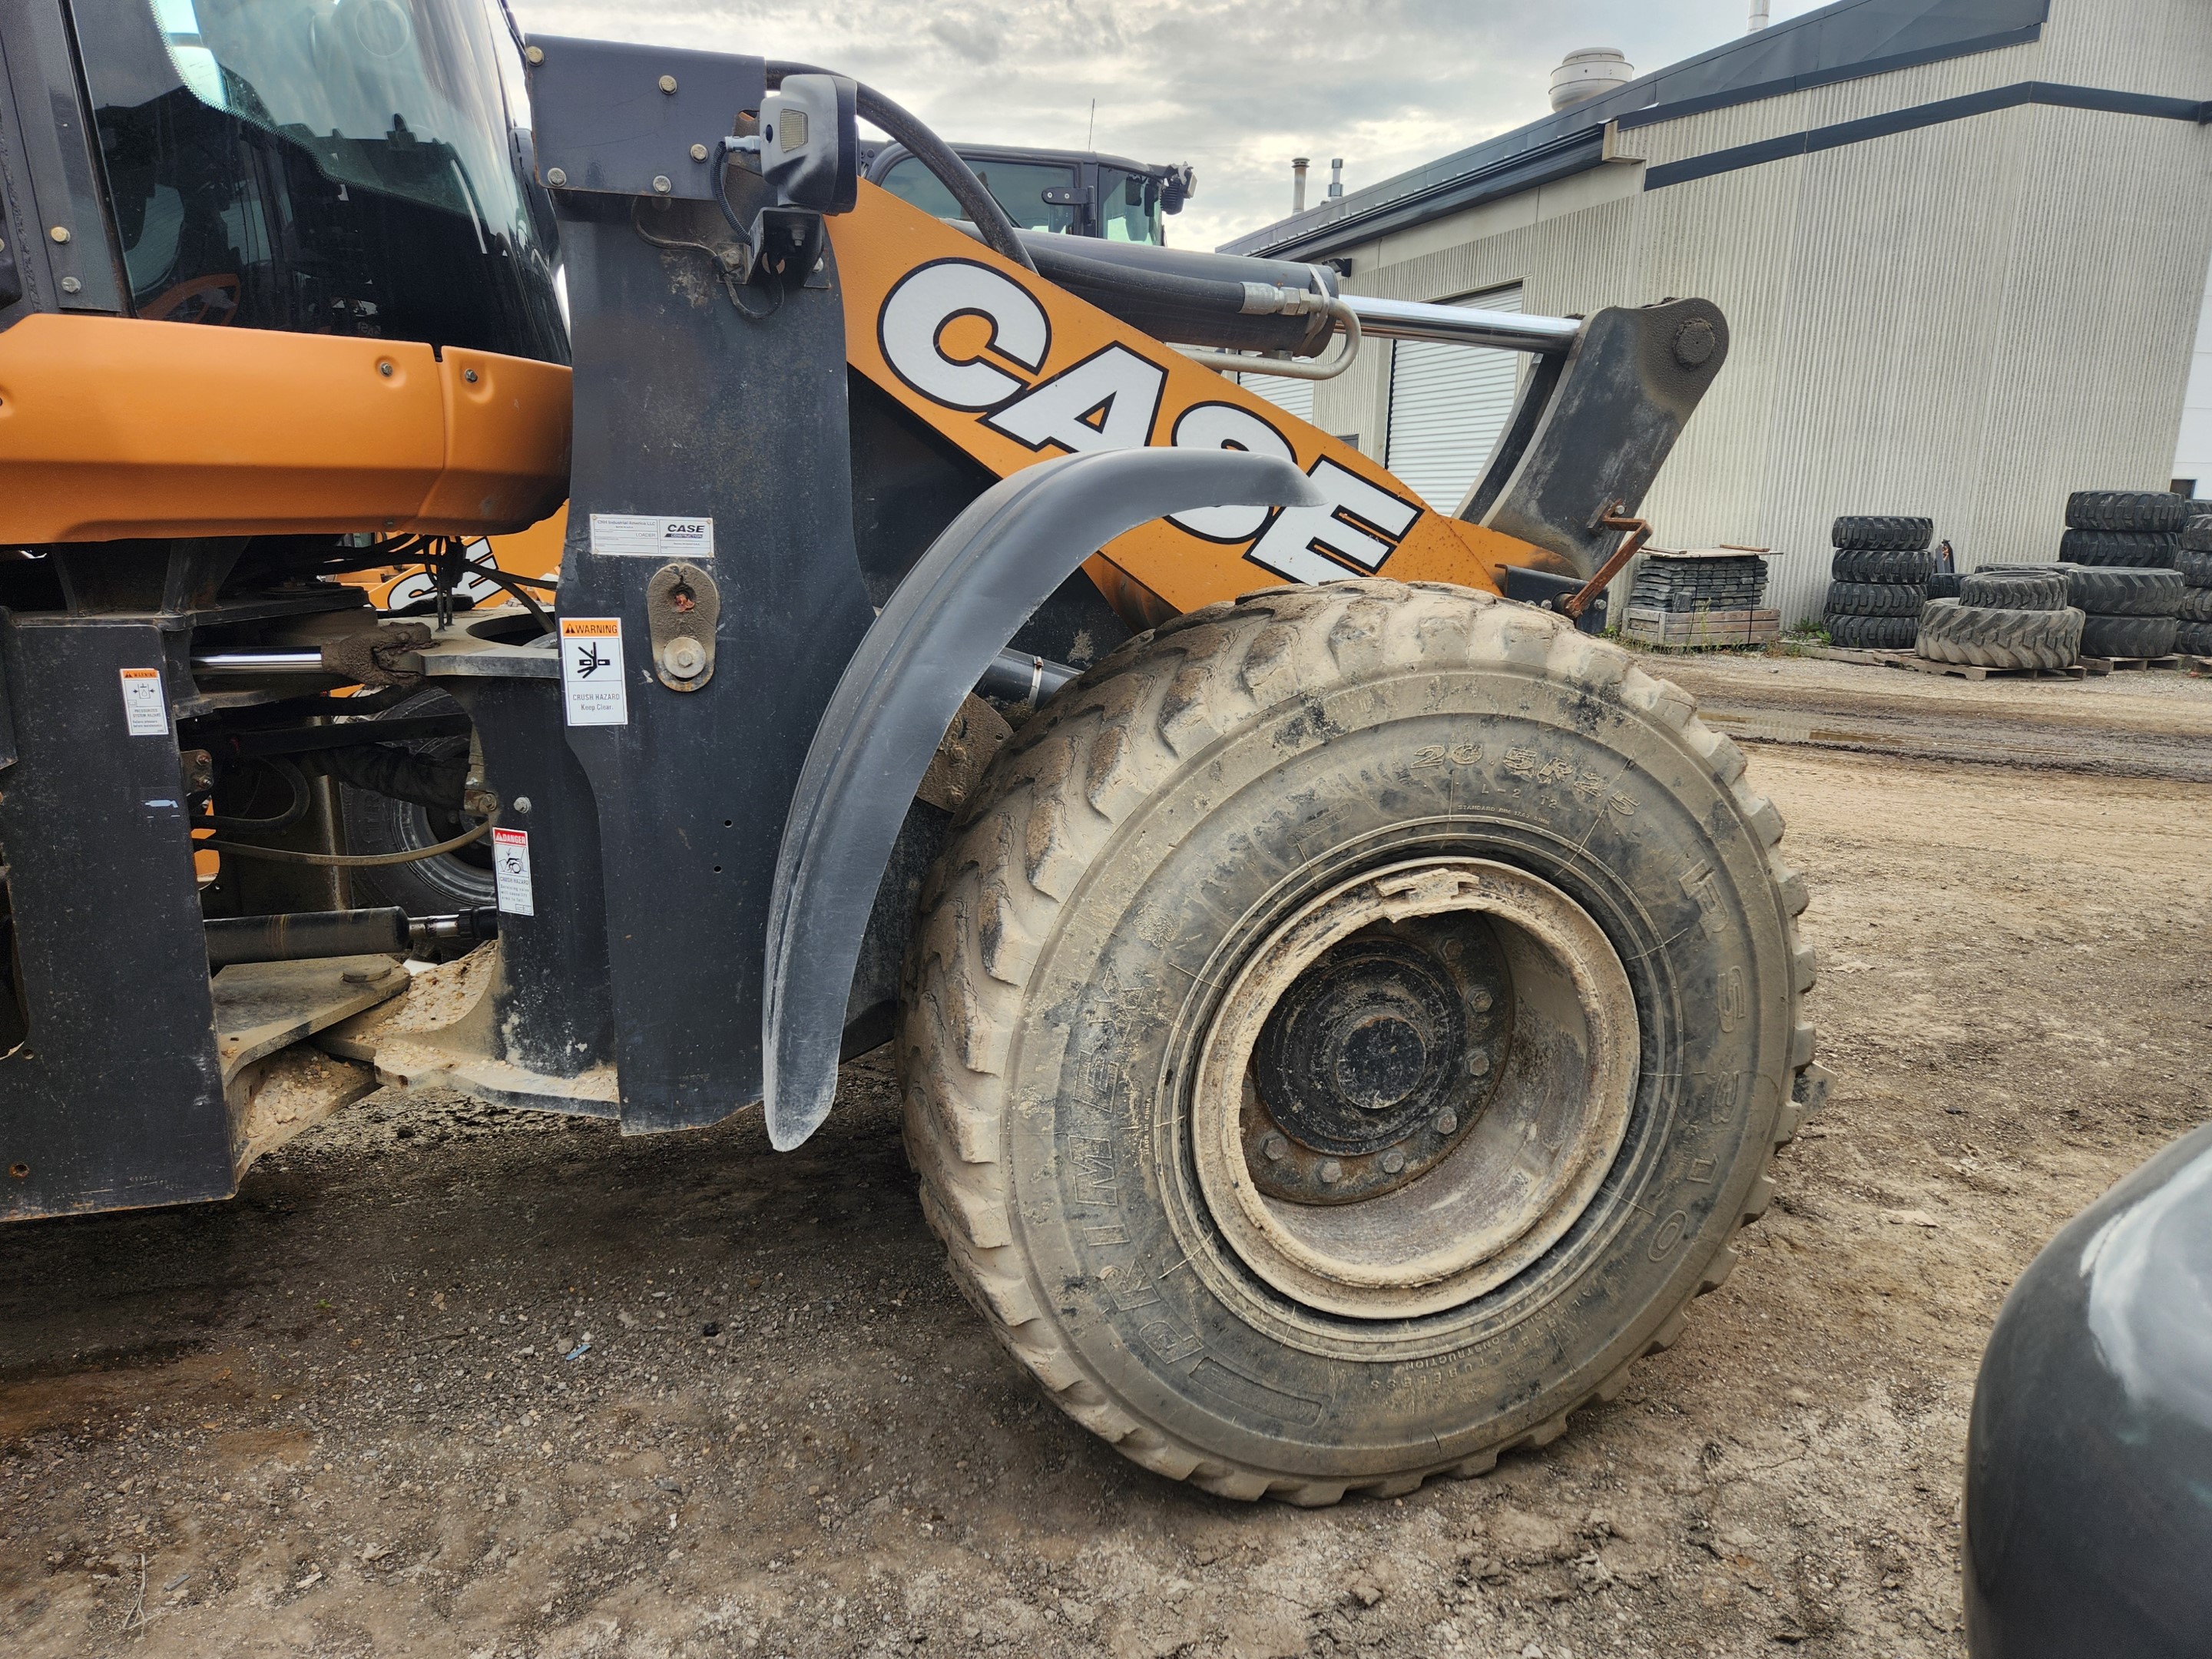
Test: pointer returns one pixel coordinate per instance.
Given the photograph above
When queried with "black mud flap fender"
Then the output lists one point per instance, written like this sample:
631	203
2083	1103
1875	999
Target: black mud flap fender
947	619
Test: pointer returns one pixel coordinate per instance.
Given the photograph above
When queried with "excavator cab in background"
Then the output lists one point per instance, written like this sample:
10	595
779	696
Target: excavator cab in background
1343	1015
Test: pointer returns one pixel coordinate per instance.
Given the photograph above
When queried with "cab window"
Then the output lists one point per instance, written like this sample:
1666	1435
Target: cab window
1128	206
1020	187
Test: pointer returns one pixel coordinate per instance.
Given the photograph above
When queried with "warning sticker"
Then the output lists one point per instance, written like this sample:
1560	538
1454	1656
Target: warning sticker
510	868
145	708
592	670
628	535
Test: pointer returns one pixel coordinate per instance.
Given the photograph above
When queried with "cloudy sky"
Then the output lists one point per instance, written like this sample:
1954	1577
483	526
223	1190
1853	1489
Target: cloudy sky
1234	86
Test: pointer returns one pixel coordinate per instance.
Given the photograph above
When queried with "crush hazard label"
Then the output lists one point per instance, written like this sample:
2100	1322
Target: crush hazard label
592	684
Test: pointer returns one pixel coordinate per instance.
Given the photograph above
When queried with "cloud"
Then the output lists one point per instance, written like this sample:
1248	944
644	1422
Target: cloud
1236	88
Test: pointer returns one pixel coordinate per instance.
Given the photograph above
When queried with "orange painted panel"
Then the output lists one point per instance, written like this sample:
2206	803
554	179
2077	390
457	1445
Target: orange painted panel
116	427
1016	371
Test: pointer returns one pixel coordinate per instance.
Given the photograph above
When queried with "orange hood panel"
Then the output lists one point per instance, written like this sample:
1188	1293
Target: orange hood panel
115	426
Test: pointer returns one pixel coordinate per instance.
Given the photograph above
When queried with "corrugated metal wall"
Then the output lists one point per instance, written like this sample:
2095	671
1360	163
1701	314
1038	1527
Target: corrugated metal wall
1966	320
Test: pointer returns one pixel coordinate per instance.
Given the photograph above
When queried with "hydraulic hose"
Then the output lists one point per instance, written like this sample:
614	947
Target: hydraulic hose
933	153
1196	310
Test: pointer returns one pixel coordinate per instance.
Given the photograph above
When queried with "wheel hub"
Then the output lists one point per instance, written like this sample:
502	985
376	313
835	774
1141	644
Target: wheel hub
1376	1061
1412	1087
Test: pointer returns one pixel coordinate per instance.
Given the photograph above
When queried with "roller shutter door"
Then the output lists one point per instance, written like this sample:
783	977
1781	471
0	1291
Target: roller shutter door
1297	396
1447	405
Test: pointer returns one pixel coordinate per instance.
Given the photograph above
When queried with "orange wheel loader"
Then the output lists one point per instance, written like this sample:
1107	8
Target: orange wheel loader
1343	1012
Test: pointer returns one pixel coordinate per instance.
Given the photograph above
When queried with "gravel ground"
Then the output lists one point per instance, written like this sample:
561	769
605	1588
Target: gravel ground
449	1380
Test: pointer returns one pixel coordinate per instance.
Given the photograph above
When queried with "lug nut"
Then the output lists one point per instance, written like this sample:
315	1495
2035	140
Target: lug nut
1477	1063
1480	999
1330	1169
1447	1122
1273	1147
1394	1162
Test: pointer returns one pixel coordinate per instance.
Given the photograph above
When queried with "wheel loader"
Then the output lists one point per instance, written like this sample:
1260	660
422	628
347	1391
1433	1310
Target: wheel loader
1343	1012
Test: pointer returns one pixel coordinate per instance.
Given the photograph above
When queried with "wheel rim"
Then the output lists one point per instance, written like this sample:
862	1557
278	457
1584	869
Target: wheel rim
1414	1087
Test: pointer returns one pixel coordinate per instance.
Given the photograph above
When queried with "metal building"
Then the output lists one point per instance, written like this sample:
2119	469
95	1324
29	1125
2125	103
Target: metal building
1961	245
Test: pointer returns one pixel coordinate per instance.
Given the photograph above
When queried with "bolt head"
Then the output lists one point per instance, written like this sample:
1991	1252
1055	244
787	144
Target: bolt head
667	84
1330	1170
1394	1162
385	369
60	234
522	803
556	176
662	183
686	657
71	285
1447	1122
698	152
533	55
470	375
1478	1063
1273	1147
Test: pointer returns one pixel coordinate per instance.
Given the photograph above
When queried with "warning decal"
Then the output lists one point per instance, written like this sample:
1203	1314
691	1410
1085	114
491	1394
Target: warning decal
510	866
145	708
592	684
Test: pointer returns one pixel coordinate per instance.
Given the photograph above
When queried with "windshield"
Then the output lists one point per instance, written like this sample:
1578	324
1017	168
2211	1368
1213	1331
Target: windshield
342	166
1019	186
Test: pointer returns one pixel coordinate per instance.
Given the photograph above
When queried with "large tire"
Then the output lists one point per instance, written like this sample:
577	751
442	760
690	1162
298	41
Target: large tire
1859	564
2129	636
2193	638
2015	590
2144	550
1953	632
1210	807
1875	598
1873	632
1944	585
2137	510
2195	565
2112	591
1908	535
2197	534
2196	604
382	824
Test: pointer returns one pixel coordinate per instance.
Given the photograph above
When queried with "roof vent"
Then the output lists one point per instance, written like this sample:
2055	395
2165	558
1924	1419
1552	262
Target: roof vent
1590	73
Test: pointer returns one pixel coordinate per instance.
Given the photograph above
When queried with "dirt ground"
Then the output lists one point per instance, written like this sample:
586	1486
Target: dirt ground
450	1381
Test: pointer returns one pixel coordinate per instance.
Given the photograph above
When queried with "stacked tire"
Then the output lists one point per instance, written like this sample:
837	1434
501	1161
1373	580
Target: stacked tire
1879	582
2125	529
2015	617
2193	562
2131	612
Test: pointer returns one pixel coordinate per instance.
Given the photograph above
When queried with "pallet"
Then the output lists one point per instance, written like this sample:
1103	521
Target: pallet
2118	664
2200	665
1844	653
1691	630
1967	670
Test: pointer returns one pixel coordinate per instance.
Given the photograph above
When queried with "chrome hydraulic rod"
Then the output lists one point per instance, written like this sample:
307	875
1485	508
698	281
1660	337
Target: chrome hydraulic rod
258	662
1507	330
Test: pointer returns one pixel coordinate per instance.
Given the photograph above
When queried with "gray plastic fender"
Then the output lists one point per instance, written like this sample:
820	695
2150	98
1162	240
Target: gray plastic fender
947	619
2089	1509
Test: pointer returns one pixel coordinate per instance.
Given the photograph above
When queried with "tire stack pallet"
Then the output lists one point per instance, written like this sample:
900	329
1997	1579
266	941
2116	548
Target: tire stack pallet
2012	620
1879	582
2193	616
1699	600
